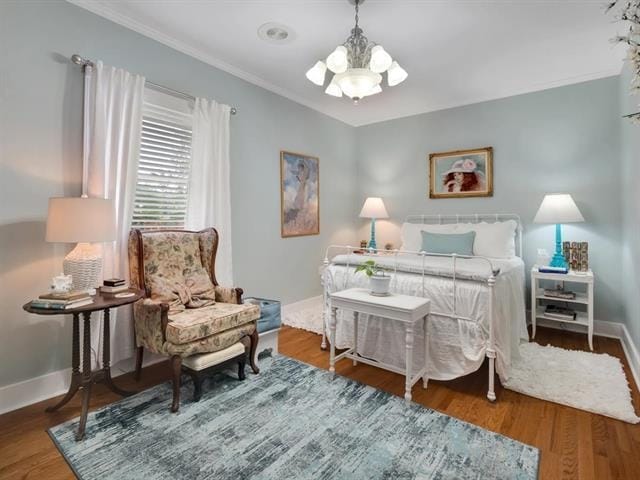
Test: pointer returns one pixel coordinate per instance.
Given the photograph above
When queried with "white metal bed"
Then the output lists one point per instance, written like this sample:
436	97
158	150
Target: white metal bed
334	250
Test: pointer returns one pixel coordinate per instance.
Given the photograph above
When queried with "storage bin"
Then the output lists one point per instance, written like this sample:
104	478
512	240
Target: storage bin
270	318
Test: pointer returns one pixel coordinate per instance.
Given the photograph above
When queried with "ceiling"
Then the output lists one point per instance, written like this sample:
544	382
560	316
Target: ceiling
456	52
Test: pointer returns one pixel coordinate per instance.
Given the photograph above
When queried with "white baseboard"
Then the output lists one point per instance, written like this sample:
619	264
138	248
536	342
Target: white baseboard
632	354
34	390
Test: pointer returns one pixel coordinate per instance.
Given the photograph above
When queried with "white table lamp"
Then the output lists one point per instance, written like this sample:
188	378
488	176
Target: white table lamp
373	208
558	209
87	222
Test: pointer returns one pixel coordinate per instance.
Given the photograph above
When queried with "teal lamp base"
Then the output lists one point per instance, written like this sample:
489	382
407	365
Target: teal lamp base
558	259
372	241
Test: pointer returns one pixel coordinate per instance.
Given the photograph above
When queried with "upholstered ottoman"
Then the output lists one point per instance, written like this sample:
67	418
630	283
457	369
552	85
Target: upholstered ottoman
200	365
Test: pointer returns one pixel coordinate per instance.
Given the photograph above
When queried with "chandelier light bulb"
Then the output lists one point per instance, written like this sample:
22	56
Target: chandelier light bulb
396	74
380	59
337	61
333	89
317	73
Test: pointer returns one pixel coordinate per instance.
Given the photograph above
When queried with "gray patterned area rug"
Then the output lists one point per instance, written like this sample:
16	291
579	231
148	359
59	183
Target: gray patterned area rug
289	422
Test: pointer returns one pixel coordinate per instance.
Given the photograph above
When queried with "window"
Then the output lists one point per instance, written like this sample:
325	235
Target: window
162	184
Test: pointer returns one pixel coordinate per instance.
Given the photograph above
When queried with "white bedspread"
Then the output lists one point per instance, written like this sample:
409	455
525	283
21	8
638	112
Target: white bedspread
456	347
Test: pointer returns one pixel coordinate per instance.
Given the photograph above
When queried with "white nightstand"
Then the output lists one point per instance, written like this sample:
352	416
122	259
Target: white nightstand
539	300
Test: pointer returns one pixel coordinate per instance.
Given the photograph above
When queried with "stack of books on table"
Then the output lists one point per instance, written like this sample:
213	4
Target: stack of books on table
559	293
62	301
559	313
114	285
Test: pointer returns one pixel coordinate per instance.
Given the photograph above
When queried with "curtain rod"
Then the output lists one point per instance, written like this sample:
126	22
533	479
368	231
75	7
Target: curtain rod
83	62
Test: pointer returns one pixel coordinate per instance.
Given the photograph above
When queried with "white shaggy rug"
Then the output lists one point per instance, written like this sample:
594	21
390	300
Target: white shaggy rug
589	381
308	317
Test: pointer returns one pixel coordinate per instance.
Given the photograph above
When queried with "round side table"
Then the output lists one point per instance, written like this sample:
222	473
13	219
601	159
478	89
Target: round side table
85	379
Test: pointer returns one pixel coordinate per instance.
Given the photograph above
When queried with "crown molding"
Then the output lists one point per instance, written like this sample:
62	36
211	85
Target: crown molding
103	9
538	87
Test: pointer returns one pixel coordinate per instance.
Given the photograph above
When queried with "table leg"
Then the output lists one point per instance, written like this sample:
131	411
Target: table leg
76	377
534	306
408	362
590	315
86	373
425	379
332	341
355	336
106	357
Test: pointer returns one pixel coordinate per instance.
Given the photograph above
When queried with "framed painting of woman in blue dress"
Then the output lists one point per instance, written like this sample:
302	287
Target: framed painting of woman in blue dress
462	173
299	194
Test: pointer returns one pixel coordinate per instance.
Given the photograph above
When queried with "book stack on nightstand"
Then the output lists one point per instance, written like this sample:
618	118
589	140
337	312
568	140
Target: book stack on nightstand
553	299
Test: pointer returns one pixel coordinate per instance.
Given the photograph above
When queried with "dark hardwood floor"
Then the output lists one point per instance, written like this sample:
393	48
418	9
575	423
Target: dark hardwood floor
573	443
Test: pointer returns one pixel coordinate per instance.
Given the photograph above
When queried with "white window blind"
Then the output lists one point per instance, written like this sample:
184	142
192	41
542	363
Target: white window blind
162	185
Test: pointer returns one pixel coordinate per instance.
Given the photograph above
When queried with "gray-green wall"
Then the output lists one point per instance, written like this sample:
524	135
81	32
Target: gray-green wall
40	128
568	139
630	174
559	140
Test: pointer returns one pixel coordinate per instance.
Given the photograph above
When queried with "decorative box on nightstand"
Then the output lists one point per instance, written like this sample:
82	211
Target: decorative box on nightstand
582	303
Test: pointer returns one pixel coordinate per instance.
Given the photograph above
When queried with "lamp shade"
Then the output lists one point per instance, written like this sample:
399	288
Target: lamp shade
396	74
333	88
558	208
317	73
374	208
380	59
80	220
338	61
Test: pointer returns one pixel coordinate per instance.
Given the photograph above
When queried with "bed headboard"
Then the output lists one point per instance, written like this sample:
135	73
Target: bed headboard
471	218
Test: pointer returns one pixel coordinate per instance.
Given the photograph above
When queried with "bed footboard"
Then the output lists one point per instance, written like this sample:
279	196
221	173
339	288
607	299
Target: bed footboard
490	350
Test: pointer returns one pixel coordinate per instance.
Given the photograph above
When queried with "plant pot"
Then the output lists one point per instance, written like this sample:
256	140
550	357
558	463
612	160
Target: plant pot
379	284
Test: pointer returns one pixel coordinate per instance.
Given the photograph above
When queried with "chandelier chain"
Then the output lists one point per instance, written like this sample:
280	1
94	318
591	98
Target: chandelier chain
357	12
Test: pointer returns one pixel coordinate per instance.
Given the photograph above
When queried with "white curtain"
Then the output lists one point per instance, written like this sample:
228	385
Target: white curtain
115	122
210	180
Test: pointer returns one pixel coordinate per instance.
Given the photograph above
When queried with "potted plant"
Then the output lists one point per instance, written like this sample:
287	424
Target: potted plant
378	279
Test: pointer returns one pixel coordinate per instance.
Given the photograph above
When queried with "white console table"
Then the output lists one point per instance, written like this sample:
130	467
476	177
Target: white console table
401	308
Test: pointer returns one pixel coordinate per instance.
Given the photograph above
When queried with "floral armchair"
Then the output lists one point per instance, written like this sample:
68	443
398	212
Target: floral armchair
184	311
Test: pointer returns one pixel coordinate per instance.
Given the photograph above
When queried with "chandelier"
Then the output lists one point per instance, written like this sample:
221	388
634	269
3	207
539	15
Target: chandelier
357	65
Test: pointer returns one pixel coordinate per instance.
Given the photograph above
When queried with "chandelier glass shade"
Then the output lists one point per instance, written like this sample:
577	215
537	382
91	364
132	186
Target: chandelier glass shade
357	65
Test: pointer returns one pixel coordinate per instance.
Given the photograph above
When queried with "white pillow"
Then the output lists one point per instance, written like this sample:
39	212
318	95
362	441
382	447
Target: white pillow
412	238
496	240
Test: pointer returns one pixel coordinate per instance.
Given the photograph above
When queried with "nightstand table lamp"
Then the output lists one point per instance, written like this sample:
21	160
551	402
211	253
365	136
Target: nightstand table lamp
87	222
373	208
558	209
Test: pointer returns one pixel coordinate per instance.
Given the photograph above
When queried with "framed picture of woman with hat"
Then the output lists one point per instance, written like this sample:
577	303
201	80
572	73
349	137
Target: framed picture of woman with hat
463	173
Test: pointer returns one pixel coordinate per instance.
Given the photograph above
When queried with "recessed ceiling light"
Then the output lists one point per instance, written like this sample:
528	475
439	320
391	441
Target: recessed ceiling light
273	32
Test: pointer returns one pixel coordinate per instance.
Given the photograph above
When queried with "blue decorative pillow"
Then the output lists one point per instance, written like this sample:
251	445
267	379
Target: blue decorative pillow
448	243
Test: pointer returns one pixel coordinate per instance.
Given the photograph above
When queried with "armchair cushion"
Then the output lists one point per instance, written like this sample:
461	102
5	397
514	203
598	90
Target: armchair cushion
212	343
173	270
195	323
